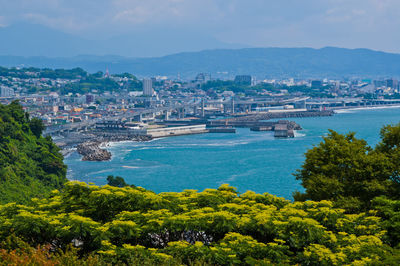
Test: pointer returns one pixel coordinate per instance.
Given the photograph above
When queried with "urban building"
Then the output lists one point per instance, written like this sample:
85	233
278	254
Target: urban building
203	78
89	98
392	83
243	79
379	83
147	87
6	92
316	83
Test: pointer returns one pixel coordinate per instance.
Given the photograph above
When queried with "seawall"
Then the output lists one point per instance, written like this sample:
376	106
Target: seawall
176	131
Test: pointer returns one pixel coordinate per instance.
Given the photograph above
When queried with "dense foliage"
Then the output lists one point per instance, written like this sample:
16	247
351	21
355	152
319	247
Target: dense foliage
30	165
33	72
79	80
346	170
216	226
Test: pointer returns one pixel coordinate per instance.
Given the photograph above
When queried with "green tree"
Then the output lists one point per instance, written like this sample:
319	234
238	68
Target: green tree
346	170
36	125
116	181
215	227
30	165
390	147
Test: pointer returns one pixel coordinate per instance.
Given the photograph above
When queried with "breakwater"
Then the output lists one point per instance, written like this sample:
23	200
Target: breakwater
91	151
115	136
264	125
256	122
281	128
279	115
89	145
177	131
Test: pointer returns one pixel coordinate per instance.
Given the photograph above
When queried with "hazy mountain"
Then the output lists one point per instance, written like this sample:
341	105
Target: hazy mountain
25	39
261	62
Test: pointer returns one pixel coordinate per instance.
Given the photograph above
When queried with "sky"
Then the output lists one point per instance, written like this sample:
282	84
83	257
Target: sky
370	24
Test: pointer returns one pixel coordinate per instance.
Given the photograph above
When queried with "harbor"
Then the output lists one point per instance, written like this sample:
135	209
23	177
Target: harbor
248	160
107	131
118	130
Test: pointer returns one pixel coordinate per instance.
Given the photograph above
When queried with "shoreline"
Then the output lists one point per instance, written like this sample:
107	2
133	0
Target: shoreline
97	149
354	108
107	144
67	152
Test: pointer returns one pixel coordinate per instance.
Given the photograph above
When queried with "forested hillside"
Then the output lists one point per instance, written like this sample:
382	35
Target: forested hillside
30	165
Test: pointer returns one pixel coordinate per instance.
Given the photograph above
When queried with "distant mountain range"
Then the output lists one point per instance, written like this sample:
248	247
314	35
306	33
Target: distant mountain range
35	45
226	63
25	39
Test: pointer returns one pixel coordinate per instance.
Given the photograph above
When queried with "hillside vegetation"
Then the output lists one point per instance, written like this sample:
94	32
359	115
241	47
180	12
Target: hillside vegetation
216	226
349	213
30	165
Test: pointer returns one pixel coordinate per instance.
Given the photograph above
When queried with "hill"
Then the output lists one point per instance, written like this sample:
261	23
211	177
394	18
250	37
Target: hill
30	165
329	62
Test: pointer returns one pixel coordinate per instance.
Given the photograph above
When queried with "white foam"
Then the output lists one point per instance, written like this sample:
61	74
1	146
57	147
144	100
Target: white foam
99	172
351	110
151	148
344	111
298	135
130	167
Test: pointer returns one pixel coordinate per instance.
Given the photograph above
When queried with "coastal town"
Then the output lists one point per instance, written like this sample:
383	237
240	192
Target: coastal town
78	107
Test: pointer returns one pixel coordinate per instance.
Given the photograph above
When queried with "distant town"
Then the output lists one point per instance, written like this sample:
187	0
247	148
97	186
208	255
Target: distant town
76	101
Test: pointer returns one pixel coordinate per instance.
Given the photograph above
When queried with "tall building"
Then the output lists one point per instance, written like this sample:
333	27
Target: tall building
379	83
6	92
243	79
147	87
316	84
392	83
89	98
203	78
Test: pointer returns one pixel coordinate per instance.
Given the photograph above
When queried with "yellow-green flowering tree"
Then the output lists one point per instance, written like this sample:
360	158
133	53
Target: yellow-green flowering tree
216	226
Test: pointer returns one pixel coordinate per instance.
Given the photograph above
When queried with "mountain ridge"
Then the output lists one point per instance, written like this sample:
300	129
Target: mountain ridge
273	62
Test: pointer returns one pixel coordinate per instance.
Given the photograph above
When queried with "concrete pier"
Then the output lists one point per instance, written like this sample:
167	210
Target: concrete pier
222	130
282	131
176	131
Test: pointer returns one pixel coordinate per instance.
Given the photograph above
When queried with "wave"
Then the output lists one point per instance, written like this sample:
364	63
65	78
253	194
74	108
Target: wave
219	144
247	173
113	144
100	172
150	148
344	111
299	135
130	167
351	110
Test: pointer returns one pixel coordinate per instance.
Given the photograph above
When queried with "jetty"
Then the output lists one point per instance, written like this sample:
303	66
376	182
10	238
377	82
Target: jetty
176	131
279	115
222	130
283	131
91	151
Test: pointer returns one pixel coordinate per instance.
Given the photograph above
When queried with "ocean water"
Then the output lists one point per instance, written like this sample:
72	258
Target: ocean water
246	160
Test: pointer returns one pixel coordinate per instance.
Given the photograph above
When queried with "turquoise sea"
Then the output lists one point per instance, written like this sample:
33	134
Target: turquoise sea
246	160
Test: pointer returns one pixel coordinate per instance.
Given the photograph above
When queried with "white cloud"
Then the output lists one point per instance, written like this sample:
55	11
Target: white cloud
352	23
